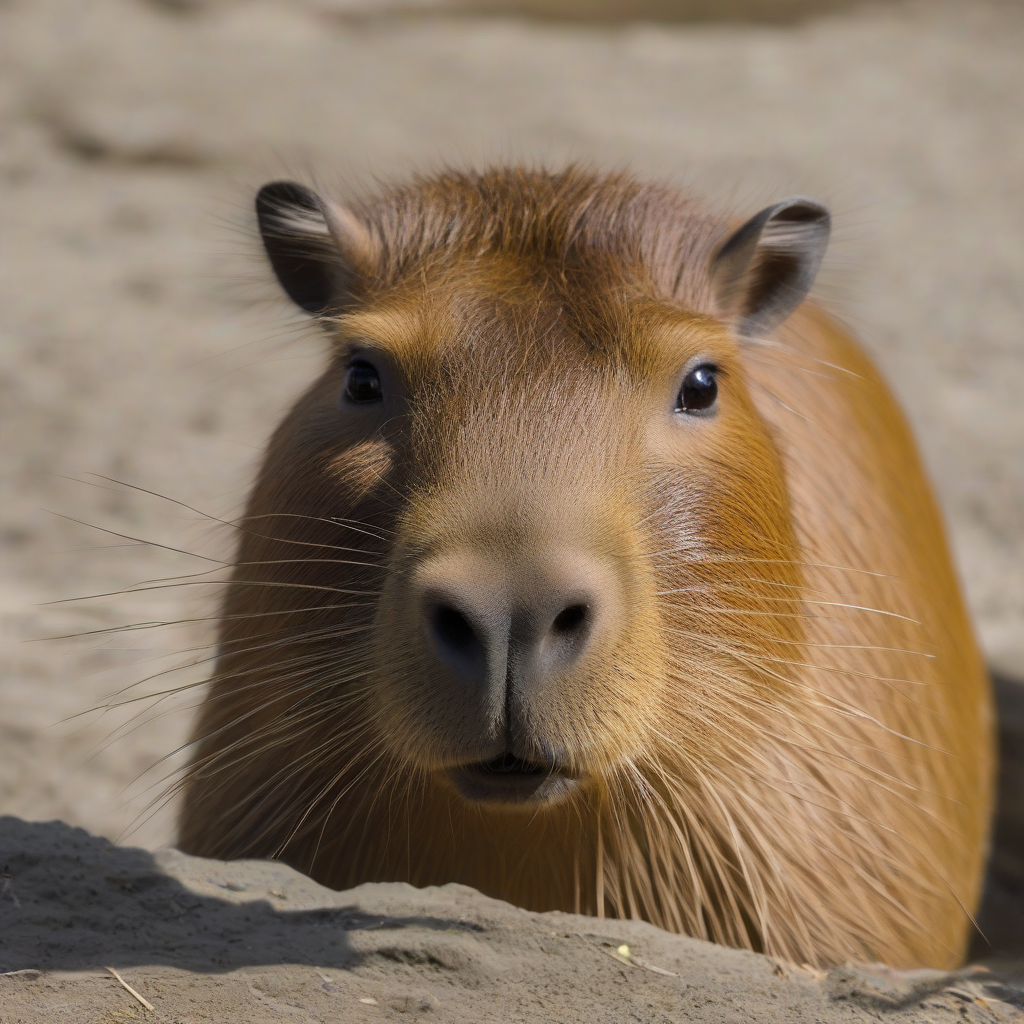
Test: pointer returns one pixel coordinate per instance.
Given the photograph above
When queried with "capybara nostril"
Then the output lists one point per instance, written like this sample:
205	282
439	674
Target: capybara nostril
456	642
566	638
573	621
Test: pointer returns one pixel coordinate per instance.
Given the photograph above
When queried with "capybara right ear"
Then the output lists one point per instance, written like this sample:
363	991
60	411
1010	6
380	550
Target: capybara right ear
766	268
319	250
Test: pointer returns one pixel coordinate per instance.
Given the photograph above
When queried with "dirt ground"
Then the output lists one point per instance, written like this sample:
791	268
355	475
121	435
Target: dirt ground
142	342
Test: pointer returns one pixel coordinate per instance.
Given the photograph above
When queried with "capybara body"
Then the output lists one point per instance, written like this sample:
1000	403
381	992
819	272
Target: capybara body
599	572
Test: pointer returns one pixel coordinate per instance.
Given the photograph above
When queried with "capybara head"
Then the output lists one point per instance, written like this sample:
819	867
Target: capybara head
537	439
581	578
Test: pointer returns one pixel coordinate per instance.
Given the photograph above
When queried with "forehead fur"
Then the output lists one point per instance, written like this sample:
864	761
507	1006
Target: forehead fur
575	228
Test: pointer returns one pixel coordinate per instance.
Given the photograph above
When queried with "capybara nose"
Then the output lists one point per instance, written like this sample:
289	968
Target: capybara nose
463	639
490	628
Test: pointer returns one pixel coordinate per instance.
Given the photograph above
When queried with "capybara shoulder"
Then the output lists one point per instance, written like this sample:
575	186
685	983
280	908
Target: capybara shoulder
597	571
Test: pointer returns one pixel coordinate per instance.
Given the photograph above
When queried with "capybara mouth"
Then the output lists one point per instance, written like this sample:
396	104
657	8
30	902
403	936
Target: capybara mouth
510	779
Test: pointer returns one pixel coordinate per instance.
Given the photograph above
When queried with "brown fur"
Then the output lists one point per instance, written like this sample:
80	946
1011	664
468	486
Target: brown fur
785	740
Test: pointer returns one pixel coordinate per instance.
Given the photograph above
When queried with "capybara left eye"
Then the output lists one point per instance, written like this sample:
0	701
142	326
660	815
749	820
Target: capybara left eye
362	383
699	391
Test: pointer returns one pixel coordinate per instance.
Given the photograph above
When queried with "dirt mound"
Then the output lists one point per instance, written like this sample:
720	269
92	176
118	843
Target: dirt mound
253	941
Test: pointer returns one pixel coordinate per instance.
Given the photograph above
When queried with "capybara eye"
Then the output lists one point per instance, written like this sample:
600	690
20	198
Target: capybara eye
699	390
362	383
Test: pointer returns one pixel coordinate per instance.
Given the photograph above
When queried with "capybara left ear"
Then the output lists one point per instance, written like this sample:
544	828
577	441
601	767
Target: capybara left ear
319	250
766	268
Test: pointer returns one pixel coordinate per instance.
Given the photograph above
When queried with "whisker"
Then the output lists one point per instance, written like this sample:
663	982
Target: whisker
134	540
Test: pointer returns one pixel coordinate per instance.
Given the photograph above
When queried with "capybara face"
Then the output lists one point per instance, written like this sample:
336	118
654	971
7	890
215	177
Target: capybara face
566	489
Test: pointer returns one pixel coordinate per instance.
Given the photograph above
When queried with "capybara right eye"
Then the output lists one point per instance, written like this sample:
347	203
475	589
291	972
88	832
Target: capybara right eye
699	391
362	383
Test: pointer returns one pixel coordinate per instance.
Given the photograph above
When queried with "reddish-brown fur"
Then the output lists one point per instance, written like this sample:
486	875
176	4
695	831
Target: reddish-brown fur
783	735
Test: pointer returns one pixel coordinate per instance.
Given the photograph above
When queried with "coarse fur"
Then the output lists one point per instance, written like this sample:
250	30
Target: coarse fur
780	736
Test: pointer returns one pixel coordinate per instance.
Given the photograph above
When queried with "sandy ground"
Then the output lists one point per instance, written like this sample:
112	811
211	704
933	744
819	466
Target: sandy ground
253	941
140	340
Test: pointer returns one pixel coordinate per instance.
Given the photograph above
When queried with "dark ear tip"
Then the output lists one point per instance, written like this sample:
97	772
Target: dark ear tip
276	196
765	269
801	210
297	242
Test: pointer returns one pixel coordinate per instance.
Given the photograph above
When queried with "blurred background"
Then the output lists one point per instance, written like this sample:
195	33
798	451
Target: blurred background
145	355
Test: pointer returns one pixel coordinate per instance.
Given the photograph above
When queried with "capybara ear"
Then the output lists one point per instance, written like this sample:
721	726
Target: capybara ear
766	268
319	250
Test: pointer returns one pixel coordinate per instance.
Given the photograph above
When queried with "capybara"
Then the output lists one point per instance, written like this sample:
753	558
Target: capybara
598	571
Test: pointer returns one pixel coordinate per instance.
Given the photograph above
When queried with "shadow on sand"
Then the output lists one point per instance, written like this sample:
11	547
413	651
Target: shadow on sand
70	901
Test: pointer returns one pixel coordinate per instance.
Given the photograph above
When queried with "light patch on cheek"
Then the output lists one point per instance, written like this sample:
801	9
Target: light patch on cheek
687	536
360	468
684	535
